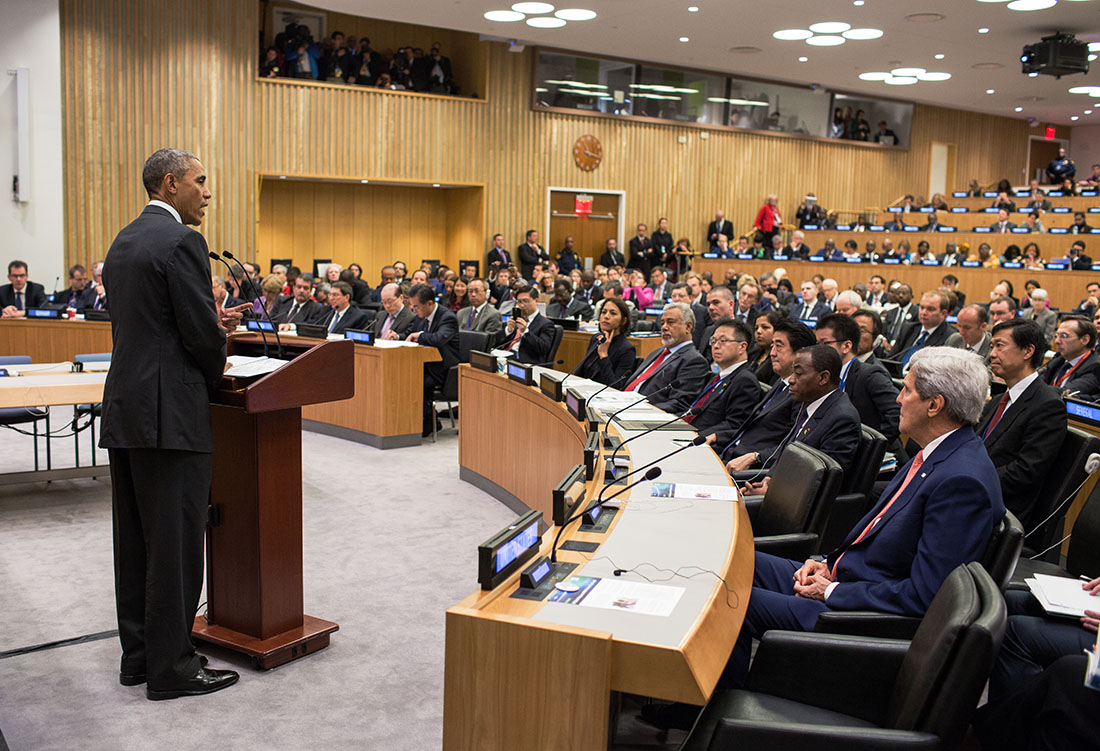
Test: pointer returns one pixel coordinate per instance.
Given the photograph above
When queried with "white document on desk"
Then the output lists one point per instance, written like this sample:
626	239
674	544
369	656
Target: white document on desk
633	597
691	492
1060	595
393	343
242	366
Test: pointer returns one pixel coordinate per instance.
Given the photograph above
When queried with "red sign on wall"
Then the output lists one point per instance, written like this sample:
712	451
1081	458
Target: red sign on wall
1050	134
582	204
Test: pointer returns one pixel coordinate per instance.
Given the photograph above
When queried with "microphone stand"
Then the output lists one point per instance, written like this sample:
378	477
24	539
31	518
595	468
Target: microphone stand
274	328
218	258
651	475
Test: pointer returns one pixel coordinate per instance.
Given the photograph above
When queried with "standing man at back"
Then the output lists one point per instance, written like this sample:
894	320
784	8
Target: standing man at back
169	354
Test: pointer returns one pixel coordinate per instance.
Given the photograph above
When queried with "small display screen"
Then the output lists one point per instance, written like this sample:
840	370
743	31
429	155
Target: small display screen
359	336
572	402
515	547
810	322
255	325
594	513
1056	266
517	372
891	261
971	264
930	262
779	257
41	313
541	572
1012	265
1087	411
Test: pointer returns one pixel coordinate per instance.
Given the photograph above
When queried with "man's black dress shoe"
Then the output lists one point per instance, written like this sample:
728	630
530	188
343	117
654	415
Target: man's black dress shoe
670	716
136	679
204	682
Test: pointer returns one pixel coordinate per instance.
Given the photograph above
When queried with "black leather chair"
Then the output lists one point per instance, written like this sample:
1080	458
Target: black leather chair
16	416
1065	475
1083	556
555	343
857	492
467	341
92	411
788	520
809	691
1003	551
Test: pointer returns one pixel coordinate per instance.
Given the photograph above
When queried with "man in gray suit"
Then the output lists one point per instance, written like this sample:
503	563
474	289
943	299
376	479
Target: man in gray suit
393	321
677	363
973	333
479	315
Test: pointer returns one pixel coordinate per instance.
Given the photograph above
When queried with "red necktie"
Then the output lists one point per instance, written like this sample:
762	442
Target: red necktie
1001	407
701	401
633	386
918	460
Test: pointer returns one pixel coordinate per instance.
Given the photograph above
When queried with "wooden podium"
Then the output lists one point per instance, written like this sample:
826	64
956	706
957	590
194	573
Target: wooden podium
254	536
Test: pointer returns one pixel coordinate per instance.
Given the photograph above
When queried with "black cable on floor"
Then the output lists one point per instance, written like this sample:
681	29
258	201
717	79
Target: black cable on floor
61	643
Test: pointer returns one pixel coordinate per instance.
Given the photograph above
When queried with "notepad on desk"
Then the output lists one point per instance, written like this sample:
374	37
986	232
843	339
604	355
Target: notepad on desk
1060	595
687	491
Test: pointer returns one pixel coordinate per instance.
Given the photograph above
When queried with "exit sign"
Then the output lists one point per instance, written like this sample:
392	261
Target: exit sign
582	204
1050	134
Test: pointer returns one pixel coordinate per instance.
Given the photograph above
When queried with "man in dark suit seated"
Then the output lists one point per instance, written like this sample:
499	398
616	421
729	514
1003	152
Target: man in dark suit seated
20	294
527	333
809	308
659	283
435	326
1023	430
930	330
79	295
479	315
501	292
676	371
589	292
870	337
1002	225
394	320
342	315
1075	368
733	391
868	386
300	308
771	419
681	292
564	305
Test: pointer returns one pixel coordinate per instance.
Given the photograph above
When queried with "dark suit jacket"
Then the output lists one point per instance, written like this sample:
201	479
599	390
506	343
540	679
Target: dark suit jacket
911	331
685	369
714	228
833	429
700	334
610	259
944	518
85	298
641	254
575	309
890	319
500	257
353	318
401	322
309	311
169	351
34	296
727	407
766	426
819	309
613	369
534	347
528	257
996	226
1022	447
1086	378
874	396
595	294
661	293
441	334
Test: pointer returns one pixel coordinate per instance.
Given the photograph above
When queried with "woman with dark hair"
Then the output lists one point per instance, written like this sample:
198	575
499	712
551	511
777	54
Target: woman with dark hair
1004	186
610	356
1012	253
1029	285
1032	258
761	361
454	296
356	269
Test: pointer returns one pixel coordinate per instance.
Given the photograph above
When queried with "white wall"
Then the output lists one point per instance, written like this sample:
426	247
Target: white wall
1085	148
32	231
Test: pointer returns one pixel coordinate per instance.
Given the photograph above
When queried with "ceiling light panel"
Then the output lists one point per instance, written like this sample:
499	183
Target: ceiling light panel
825	40
861	35
545	22
533	8
504	16
575	14
830	27
1026	5
792	35
901	80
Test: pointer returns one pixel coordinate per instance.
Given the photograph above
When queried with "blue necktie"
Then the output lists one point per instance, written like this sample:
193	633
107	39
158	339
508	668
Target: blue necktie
912	350
470	320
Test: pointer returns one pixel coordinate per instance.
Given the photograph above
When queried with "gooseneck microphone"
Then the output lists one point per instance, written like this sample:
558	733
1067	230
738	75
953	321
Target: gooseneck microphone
219	259
698	440
584	359
258	295
652	474
680	416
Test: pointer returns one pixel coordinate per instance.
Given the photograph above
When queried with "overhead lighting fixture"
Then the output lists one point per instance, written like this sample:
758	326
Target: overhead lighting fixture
1075	118
693	9
1092	57
1088	112
830	27
533	7
993	1
1094	46
908	72
575	14
983	30
1019	109
684	39
857	3
990	91
435	185
1025	5
803	59
1087	90
939	56
545	22
792	35
934	76
861	34
901	80
1033	74
874	76
503	16
825	40
364	181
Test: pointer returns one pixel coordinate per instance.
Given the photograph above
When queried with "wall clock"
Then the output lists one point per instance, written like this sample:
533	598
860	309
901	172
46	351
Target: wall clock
587	153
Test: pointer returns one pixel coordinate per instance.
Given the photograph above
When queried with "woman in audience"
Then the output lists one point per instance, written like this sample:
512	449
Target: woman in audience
761	361
610	356
1032	258
938	203
272	288
706	284
924	253
1011	254
634	289
1004	186
984	255
1033	223
454	294
1067	188
1029	285
768	220
332	274
575	278
975	190
356	269
546	283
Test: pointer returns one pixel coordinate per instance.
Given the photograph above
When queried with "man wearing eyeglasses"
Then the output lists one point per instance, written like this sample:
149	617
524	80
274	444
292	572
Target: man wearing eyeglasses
732	392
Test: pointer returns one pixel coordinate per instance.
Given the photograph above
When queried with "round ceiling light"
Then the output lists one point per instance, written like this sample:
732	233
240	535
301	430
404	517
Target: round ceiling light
533	8
993	1
792	35
1025	5
901	80
1019	109
939	56
861	34
934	76
908	72
693	9
1075	118
830	27
803	59
545	22
1094	46
990	91
504	16
1087	90
983	30
575	14
825	41
874	76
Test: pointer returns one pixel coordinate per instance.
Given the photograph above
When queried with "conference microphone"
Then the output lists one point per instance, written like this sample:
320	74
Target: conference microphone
632	404
56	281
605	388
680	416
652	474
257	300
218	258
561	383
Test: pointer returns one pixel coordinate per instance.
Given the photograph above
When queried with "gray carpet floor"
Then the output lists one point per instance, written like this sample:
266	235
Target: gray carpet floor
389	545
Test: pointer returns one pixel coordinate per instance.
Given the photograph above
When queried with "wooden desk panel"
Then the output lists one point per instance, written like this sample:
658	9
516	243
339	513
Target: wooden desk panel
575	343
386	410
53	341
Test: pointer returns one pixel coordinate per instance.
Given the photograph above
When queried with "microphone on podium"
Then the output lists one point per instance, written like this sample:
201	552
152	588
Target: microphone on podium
221	260
259	301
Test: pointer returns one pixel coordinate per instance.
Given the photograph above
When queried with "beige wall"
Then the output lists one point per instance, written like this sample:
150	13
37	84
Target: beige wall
142	75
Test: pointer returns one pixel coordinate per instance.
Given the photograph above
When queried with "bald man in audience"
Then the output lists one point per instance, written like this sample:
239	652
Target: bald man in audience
1076	368
973	334
393	321
721	303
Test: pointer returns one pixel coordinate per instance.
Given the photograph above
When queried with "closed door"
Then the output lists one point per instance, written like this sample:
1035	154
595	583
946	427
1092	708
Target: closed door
1041	153
590	232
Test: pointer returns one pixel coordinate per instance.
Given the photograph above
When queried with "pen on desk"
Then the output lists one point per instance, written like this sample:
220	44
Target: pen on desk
1084	578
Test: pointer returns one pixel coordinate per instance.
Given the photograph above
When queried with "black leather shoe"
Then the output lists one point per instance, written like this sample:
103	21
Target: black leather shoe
670	716
204	682
136	679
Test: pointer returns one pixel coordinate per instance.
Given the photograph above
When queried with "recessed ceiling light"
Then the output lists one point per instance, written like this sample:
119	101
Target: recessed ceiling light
874	76
684	39
1019	109
1092	57
934	76
364	181
1087	90
693	9
901	80
907	72
1032	75
861	34
1075	118
857	3
1094	46
545	22
792	35
533	7
1025	5
575	14
939	56
990	91
1088	112
992	1
983	30
830	27
803	59
435	185
825	40
503	16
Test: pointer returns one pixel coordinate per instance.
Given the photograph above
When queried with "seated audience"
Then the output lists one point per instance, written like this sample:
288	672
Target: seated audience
300	307
479	315
527	333
635	290
79	295
610	356
1076	367
434	326
930	330
809	308
733	391
342	315
564	305
20	293
1040	312
682	293
760	359
675	373
973	334
395	318
588	291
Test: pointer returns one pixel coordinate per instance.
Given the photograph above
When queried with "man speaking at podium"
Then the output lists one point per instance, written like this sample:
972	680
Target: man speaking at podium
169	355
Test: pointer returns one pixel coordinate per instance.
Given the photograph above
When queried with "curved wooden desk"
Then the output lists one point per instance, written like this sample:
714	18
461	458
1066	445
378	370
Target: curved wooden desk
574	344
54	340
524	674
